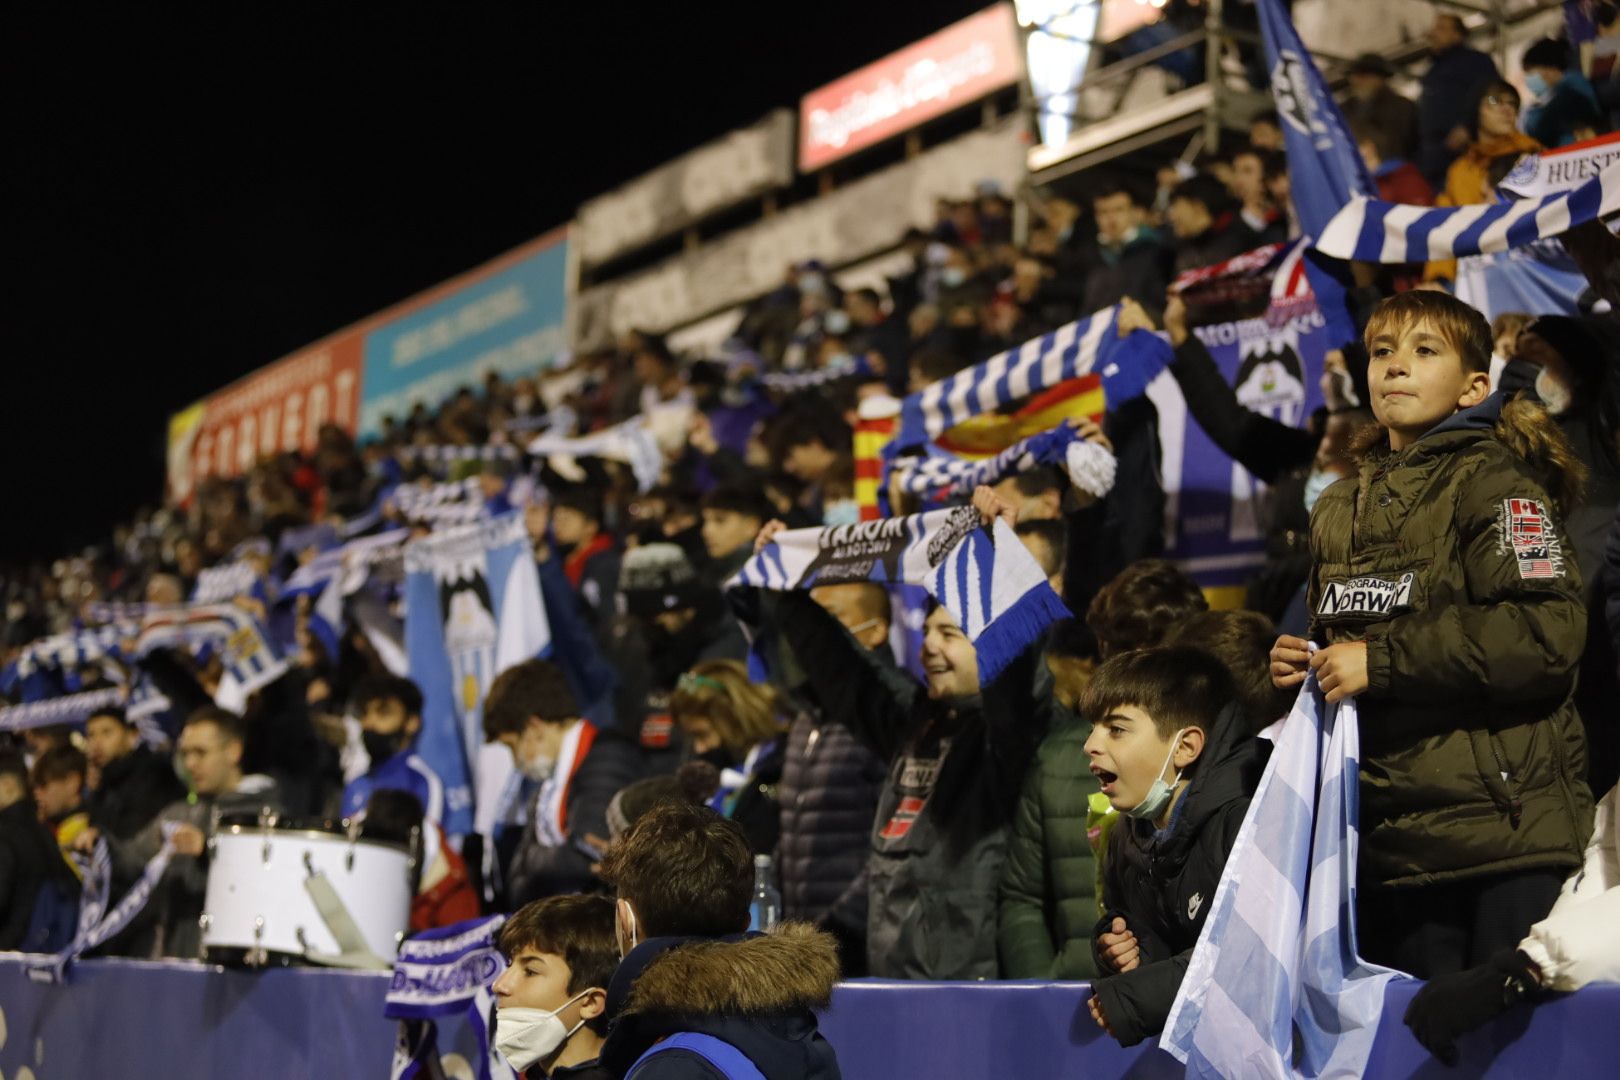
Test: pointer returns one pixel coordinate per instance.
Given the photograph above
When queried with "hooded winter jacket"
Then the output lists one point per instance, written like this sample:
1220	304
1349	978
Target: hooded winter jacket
1162	882
955	772
758	992
133	789
1448	559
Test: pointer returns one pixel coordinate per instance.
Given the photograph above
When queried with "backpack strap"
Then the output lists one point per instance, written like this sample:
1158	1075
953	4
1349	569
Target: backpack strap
732	1063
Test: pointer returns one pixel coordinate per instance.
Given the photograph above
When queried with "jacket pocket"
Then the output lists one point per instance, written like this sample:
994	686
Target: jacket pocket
1502	784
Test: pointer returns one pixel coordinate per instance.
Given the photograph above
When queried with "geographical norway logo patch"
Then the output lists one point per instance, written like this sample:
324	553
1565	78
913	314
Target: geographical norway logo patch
1527	532
1366	596
903	818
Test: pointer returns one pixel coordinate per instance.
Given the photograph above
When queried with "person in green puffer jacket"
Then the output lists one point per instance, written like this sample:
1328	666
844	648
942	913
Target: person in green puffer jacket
1443	593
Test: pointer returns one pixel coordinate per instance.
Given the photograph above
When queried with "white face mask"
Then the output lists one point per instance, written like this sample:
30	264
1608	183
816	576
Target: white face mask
1552	392
1160	791
1317	482
525	1036
540	769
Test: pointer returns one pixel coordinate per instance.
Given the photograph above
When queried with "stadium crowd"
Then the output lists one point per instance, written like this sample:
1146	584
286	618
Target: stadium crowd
1065	820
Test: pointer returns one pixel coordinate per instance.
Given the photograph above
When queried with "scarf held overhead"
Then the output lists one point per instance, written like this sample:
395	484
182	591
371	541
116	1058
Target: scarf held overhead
1126	365
986	579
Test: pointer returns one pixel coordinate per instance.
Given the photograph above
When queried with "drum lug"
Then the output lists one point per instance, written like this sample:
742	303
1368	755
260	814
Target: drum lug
309	864
204	921
303	940
257	956
264	851
414	861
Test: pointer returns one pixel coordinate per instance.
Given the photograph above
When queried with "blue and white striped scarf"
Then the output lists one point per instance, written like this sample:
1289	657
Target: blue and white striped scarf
442	972
1126	365
71	709
1089	467
97	925
1275	987
631	442
1370	230
986	579
449	503
789	382
218	584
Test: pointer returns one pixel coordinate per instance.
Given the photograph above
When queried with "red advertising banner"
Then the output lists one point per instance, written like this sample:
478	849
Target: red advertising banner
280	407
960	64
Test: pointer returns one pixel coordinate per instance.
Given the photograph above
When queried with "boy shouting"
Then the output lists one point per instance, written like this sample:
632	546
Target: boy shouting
1170	744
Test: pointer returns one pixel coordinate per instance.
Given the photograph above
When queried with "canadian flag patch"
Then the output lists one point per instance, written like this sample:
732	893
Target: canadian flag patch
1528	534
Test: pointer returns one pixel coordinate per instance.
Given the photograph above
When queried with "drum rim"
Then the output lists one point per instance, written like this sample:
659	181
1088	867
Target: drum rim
266	832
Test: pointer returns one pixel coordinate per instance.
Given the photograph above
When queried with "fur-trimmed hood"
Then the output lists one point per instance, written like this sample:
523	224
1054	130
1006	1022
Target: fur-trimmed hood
758	992
1520	424
794	967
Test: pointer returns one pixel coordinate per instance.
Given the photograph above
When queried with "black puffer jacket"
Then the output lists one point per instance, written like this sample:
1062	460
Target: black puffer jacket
538	869
133	790
829	794
28	858
1163	883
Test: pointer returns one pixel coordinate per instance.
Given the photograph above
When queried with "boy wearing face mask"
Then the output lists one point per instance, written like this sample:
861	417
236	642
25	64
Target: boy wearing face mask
577	766
390	709
551	1000
1169	743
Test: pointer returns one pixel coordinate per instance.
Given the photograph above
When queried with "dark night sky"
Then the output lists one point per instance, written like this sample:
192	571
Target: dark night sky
188	199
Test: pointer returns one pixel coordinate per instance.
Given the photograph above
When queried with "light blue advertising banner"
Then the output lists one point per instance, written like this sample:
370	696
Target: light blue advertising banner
506	317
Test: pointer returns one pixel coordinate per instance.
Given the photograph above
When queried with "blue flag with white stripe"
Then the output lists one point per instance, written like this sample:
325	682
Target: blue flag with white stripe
472	609
1371	230
1275	987
1541	278
1325	170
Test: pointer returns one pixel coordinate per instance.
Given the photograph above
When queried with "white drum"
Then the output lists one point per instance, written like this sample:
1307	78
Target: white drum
259	905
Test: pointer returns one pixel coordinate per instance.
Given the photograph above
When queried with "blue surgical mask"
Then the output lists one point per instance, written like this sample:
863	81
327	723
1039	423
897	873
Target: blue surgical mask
952	276
1158	796
1317	482
1536	84
840	512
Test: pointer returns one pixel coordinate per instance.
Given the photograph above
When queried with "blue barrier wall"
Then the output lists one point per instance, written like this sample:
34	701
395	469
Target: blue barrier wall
133	1020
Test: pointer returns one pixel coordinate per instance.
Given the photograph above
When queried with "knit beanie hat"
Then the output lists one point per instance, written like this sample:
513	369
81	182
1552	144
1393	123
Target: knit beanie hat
657	577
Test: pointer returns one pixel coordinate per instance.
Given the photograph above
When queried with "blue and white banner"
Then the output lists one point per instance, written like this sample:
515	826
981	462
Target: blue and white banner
1371	230
986	578
472	610
1275	987
1325	169
439	973
1540	279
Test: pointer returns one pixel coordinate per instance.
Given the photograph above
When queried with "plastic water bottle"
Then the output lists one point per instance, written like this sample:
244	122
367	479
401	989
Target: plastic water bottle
766	910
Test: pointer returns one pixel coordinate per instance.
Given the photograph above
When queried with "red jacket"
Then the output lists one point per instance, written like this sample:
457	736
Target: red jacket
450	900
1404	184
